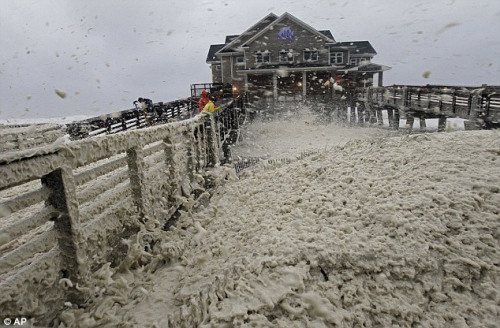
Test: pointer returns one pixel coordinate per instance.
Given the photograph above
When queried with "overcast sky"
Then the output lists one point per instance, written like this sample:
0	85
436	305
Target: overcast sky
103	54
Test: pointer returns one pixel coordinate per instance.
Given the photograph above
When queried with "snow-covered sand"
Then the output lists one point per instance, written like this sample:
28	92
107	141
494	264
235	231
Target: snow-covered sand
381	231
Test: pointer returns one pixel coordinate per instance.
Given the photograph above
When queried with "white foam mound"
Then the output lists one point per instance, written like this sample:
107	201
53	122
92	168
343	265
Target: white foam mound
389	231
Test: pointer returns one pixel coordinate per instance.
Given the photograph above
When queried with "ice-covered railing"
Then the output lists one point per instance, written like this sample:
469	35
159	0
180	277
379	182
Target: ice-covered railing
65	209
479	105
14	138
131	119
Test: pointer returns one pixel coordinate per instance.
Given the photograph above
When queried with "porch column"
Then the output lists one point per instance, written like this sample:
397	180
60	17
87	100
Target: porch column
304	86
246	82
275	86
380	78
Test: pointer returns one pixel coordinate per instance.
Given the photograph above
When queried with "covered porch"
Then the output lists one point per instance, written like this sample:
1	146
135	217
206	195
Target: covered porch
301	83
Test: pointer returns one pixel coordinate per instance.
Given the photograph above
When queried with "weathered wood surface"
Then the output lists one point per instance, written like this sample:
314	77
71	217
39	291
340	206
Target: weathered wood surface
479	105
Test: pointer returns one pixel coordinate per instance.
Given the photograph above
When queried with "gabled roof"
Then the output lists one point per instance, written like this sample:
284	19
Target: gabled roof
327	33
358	47
243	37
230	38
297	21
211	52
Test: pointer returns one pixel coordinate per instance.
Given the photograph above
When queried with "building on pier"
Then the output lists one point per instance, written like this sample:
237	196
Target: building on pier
282	56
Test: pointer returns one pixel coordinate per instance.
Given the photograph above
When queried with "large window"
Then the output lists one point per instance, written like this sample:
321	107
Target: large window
262	57
310	55
286	56
336	57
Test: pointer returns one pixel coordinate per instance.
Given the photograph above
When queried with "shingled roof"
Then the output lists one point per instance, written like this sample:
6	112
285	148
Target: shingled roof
360	47
211	52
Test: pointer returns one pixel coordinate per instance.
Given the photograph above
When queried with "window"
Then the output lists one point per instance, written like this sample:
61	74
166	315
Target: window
286	56
310	55
336	57
240	60
359	61
364	61
262	57
217	67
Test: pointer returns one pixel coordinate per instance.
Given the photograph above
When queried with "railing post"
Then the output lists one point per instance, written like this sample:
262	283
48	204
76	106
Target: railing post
124	123
135	161
213	144
475	111
189	135
171	165
108	125
67	224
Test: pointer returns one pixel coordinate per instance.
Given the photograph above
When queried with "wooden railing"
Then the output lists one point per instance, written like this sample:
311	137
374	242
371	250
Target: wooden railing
14	138
480	105
65	209
131	119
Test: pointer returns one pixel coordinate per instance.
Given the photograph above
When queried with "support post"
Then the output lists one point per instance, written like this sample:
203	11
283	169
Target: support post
442	123
67	224
191	153
380	119
396	119
135	161
275	86
390	116
380	79
475	110
304	86
409	122
171	165
423	125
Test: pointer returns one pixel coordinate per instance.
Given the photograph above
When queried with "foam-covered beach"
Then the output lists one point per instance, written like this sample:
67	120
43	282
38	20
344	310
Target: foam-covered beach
374	231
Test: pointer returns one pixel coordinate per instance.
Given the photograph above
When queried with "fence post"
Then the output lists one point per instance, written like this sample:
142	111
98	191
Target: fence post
474	112
171	165
20	141
189	135
135	161
213	144
70	235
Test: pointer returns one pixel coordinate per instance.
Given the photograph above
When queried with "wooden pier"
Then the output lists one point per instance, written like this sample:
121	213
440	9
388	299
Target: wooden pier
479	106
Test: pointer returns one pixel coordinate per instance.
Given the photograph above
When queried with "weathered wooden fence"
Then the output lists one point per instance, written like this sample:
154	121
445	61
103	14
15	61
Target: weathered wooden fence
14	138
64	210
480	106
131	119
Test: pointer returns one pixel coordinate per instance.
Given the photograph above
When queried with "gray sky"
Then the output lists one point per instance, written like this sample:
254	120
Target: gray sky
106	53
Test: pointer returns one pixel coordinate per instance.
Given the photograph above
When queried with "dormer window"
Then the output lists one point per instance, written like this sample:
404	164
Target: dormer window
262	56
336	57
310	54
286	56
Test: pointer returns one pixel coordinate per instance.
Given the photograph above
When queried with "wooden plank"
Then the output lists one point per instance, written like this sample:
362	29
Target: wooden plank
27	224
25	200
39	244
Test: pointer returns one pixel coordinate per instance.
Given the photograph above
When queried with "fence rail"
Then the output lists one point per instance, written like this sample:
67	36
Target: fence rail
131	119
480	105
65	209
14	138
